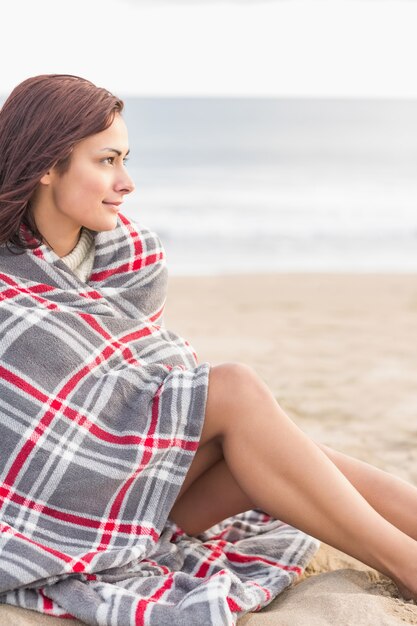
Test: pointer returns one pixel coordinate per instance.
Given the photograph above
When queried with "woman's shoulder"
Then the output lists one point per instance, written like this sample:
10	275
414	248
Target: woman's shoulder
131	244
146	236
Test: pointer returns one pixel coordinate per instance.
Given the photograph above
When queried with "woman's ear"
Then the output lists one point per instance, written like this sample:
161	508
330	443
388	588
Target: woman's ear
46	179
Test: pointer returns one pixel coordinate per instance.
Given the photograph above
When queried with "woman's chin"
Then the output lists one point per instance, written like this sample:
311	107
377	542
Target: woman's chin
109	223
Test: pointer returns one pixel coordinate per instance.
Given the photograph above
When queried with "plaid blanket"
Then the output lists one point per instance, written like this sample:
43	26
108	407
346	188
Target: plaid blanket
101	410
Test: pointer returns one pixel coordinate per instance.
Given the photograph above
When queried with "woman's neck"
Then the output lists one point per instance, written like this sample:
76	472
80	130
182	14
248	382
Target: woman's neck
60	245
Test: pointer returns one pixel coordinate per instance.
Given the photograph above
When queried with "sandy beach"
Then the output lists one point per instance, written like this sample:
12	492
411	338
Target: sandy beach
338	352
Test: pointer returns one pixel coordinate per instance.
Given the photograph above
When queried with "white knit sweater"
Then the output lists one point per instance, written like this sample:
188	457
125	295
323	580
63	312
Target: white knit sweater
81	258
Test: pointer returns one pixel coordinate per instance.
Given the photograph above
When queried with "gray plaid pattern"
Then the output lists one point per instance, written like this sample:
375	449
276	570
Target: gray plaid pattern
101	412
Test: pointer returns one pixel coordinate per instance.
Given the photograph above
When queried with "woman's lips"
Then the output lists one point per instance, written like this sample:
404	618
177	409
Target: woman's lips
113	205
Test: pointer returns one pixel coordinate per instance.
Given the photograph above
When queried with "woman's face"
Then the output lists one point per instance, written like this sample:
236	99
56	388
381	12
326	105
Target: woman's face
92	189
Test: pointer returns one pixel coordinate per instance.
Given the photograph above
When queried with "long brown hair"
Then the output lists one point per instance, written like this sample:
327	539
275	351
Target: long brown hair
40	122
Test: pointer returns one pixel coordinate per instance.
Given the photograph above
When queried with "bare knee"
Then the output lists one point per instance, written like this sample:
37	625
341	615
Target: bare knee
231	387
231	378
232	372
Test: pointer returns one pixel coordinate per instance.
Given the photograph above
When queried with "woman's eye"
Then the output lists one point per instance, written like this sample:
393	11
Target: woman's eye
111	159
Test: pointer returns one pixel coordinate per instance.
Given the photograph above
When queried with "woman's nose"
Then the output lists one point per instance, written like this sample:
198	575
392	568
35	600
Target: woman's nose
126	184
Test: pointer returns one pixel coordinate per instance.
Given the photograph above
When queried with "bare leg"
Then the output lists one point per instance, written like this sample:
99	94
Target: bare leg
210	493
211	498
282	471
207	456
392	497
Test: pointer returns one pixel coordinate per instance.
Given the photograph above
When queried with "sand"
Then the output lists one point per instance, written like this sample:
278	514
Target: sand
339	354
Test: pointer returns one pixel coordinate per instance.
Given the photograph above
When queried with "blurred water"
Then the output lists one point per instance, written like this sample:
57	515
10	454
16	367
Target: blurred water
277	185
249	184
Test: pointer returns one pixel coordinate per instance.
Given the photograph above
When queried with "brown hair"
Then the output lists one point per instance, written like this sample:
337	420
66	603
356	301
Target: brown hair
40	122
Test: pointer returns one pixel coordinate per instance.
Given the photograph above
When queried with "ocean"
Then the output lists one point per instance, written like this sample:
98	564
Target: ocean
276	185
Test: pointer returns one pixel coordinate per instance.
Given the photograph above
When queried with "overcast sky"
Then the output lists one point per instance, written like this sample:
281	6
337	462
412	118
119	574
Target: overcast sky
319	48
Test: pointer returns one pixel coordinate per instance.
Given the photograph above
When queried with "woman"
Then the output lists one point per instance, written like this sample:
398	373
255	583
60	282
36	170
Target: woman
118	450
